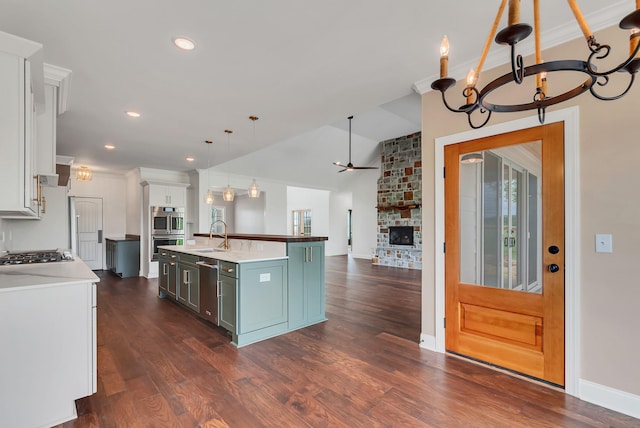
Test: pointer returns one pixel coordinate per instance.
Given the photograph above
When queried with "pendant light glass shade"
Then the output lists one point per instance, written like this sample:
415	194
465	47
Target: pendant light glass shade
254	190
208	196
228	194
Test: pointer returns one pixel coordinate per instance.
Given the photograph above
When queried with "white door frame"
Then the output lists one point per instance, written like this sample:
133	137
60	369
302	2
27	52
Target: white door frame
571	119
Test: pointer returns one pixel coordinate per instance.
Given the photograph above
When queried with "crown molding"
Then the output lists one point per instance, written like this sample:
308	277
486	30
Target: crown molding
61	78
601	19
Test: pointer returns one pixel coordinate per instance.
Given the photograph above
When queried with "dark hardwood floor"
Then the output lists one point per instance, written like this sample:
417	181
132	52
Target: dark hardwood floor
160	366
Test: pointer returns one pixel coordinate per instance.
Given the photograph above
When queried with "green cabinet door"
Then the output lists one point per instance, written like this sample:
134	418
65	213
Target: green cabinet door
227	305
189	286
163	275
172	279
306	283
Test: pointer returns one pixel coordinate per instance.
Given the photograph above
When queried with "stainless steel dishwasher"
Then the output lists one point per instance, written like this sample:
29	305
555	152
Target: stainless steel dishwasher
209	291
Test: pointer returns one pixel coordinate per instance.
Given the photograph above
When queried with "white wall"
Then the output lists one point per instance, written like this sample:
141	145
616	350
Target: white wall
299	198
50	232
134	203
340	204
249	214
112	188
365	215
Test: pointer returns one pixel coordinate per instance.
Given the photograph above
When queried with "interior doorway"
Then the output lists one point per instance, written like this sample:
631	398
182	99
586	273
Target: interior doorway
86	230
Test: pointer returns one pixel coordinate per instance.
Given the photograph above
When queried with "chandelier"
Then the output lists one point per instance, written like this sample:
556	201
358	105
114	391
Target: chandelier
478	105
84	173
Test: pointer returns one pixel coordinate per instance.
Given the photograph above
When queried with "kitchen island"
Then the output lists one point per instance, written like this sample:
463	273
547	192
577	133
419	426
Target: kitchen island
48	336
261	287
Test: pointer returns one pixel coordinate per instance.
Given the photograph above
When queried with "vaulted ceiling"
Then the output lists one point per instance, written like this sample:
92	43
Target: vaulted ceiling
302	67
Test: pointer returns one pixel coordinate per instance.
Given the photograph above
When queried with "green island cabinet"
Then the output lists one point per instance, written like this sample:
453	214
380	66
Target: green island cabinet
306	283
255	299
123	256
179	278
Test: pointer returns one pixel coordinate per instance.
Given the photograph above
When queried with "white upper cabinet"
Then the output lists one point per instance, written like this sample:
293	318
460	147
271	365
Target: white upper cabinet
166	195
19	194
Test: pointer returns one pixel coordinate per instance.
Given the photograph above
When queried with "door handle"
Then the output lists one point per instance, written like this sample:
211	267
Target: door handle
553	268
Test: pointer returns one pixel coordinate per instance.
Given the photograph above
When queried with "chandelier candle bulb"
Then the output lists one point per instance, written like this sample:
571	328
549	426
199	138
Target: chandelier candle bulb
543	78
444	56
471	83
514	12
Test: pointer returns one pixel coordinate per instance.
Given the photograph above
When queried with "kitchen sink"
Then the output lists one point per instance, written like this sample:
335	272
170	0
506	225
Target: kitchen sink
206	250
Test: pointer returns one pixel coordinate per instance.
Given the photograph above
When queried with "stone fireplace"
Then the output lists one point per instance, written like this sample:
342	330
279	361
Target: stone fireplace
399	202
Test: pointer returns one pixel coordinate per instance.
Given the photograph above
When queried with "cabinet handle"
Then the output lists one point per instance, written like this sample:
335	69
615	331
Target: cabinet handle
172	264
164	269
218	288
306	254
310	254
228	270
186	277
173	256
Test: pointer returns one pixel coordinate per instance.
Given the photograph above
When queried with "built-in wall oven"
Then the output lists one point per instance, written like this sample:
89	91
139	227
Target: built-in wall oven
167	221
164	240
167	228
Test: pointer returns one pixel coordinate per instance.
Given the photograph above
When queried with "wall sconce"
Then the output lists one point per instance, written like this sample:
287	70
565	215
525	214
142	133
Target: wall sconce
84	174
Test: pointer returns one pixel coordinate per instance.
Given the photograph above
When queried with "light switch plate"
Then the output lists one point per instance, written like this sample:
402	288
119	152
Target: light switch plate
604	243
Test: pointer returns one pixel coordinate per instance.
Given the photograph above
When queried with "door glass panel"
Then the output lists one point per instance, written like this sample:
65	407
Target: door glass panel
500	220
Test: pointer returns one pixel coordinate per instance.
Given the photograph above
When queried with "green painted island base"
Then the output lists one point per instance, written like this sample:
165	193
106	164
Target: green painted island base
254	299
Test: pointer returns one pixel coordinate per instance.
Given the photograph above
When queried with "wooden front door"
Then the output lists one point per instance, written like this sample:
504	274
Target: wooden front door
504	257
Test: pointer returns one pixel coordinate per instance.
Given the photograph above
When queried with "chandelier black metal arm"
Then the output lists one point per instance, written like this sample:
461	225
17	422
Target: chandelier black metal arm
444	84
598	51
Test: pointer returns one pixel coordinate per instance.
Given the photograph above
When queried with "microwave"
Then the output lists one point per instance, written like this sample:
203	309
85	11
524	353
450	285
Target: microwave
167	221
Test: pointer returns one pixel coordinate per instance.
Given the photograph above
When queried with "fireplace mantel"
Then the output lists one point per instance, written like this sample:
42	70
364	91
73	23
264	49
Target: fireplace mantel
397	207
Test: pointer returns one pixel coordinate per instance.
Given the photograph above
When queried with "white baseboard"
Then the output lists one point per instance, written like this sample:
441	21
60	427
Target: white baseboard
428	342
611	398
361	256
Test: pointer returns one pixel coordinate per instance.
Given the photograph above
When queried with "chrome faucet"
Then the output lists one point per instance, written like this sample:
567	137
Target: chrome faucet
225	243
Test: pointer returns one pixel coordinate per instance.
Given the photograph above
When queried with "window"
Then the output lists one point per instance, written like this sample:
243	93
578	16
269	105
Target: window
301	222
217	213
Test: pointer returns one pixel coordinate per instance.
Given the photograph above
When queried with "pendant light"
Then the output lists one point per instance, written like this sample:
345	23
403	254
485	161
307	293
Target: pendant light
228	193
254	190
208	196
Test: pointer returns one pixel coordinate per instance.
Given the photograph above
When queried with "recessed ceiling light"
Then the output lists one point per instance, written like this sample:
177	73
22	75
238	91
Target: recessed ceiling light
190	159
109	146
184	43
133	113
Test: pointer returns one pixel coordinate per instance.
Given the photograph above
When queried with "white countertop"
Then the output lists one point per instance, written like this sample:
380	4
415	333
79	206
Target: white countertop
234	256
45	274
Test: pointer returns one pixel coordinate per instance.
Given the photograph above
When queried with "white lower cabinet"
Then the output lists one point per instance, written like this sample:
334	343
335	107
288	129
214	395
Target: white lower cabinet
48	358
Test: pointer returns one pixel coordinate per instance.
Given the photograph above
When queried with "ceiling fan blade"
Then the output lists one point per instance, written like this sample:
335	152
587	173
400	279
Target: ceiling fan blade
364	167
343	170
339	164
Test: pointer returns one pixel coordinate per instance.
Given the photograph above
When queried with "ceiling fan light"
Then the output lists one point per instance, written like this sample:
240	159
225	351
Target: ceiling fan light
228	194
254	190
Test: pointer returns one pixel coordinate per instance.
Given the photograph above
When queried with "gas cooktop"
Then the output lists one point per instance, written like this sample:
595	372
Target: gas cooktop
41	256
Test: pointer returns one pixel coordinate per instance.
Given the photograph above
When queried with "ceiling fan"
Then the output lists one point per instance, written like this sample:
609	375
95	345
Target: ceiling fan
349	166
